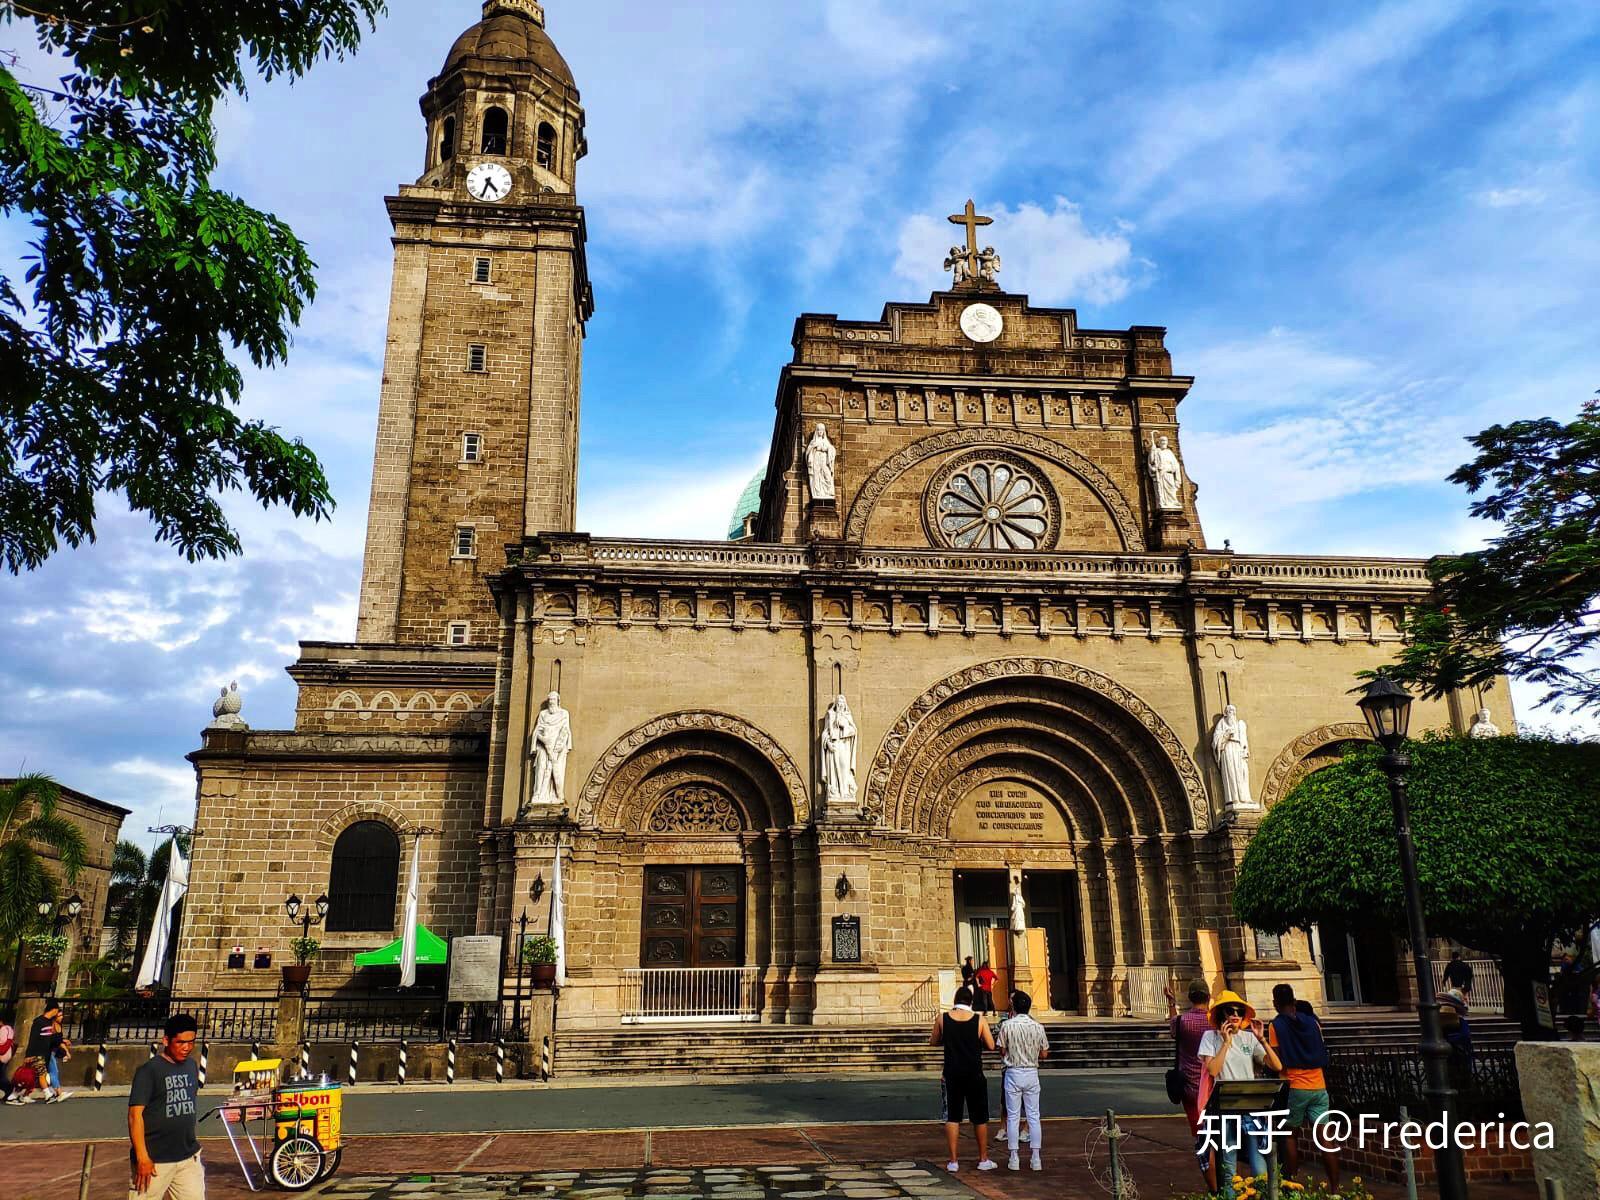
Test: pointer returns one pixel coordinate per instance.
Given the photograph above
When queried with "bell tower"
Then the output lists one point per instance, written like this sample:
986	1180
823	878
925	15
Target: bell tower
478	417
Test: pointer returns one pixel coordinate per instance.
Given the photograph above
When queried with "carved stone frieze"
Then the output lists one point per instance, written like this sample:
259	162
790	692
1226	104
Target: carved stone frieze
694	808
959	439
1288	768
314	744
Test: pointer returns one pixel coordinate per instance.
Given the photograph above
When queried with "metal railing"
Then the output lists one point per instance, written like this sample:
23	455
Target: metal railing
690	994
1145	990
410	1019
922	1005
1384	1081
139	1019
1488	991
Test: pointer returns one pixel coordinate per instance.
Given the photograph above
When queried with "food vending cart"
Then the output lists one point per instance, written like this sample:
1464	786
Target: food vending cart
303	1119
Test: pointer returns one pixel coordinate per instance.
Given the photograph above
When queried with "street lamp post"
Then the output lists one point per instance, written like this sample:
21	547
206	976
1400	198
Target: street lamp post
1387	707
66	913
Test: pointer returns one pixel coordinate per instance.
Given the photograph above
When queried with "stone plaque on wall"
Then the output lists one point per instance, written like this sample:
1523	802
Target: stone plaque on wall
1006	811
474	969
847	939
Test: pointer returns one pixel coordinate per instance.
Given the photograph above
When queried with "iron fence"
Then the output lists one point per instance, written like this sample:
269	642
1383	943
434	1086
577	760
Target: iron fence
411	1019
139	1019
1384	1081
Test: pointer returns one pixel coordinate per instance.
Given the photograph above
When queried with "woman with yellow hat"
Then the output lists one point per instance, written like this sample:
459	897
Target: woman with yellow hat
1233	1049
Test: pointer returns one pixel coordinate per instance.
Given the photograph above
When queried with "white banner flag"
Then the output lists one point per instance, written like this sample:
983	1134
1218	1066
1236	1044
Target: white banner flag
558	924
408	936
153	967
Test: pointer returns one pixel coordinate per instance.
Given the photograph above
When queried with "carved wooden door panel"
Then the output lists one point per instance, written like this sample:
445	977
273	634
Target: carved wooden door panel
692	917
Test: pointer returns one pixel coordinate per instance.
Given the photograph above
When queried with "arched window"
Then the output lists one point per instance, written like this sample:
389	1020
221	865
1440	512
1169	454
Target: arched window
545	155
364	880
447	140
496	131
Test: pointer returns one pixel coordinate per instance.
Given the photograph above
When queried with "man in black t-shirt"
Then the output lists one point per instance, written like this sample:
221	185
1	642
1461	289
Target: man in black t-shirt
1458	973
163	1112
46	1047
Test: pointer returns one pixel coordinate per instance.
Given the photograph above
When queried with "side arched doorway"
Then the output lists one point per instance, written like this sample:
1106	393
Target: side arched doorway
1046	777
693	839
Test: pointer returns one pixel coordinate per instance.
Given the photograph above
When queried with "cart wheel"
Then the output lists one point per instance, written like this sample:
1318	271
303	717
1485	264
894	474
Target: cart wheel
330	1162
296	1163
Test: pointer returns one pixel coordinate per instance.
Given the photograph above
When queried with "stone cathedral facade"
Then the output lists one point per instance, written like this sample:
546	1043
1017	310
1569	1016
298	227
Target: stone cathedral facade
989	553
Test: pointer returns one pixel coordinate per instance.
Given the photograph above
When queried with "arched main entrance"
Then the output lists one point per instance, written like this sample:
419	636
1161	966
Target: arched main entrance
1046	776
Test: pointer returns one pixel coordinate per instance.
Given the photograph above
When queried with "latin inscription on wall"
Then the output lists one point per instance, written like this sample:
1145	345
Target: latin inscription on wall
1006	811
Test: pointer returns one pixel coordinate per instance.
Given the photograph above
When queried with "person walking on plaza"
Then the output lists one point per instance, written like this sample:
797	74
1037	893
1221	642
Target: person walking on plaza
47	1048
1188	1028
965	1036
1458	973
1296	1035
1232	1049
163	1113
967	972
1023	1042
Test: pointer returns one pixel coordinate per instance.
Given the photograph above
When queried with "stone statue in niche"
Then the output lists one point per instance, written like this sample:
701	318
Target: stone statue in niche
1230	747
1166	473
1482	726
839	754
552	739
1019	909
960	263
820	457
989	265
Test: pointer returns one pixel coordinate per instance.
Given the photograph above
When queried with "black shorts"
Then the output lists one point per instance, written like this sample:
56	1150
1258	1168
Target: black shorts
969	1095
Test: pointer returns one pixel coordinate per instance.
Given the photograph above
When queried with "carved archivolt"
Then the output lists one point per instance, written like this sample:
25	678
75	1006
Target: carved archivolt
630	755
1289	768
1176	756
1092	476
366	810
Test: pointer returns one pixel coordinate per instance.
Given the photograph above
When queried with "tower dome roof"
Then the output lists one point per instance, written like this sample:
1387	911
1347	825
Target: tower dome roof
510	29
749	502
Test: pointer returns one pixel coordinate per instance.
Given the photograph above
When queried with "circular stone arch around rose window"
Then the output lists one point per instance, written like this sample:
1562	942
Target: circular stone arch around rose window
991	499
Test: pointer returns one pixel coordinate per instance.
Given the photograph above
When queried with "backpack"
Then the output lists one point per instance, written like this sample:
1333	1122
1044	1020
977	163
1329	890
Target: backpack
8	1043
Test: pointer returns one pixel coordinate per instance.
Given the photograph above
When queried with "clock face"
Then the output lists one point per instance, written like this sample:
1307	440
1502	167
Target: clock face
489	181
981	322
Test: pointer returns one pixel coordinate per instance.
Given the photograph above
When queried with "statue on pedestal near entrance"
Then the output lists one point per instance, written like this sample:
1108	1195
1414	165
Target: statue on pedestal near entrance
839	755
1230	746
1482	726
820	457
1166	474
552	739
1019	910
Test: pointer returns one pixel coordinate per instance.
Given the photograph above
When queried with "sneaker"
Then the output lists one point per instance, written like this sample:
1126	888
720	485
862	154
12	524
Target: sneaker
63	1095
1013	1163
988	1164
952	1167
15	1100
1036	1163
1022	1137
55	1098
1000	1136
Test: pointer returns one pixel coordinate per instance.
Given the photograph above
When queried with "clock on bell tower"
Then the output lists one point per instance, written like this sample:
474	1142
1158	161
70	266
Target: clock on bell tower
478	417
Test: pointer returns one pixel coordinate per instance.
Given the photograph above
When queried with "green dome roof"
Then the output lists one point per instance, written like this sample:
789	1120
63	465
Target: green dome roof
749	502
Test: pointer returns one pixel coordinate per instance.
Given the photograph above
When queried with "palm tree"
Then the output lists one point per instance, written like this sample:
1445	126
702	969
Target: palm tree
29	820
130	899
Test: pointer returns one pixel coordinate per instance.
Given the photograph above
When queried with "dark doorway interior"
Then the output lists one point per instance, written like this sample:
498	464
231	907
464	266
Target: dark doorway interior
1052	898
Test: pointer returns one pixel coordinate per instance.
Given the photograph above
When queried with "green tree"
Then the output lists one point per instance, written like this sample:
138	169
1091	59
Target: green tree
1507	832
130	897
1528	605
29	820
143	282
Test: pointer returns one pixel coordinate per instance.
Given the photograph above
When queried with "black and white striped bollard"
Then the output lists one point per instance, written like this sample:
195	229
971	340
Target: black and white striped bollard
100	1068
400	1072
499	1060
544	1059
305	1060
155	1049
355	1054
255	1051
450	1062
204	1051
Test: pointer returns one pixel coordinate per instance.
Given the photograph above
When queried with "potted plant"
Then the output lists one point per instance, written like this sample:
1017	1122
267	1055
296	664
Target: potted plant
304	950
45	951
540	955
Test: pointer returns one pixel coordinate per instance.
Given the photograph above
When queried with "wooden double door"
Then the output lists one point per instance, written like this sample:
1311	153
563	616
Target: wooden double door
693	917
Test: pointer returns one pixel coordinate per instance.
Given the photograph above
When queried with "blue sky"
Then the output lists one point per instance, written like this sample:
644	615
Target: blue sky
1371	229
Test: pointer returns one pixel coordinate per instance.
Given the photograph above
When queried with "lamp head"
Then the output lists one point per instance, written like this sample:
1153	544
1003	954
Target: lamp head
74	905
43	908
322	906
292	906
1387	707
841	889
536	888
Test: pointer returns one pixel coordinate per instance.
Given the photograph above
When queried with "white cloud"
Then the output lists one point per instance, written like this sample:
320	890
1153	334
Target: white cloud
1282	369
1511	197
1051	254
688	502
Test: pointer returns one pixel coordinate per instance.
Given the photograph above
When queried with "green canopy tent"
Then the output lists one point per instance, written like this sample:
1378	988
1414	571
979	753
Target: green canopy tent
432	950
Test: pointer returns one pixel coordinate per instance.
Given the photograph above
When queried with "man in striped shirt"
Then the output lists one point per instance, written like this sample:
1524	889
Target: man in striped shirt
1023	1042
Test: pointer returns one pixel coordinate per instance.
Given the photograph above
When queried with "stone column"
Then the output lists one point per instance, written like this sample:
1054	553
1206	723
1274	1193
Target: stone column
781	892
1560	1084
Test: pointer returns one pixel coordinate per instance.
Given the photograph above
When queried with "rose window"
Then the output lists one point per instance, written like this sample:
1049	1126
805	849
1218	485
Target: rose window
990	503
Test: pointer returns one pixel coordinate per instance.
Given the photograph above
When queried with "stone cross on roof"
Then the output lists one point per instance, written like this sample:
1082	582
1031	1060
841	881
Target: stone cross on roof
972	265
